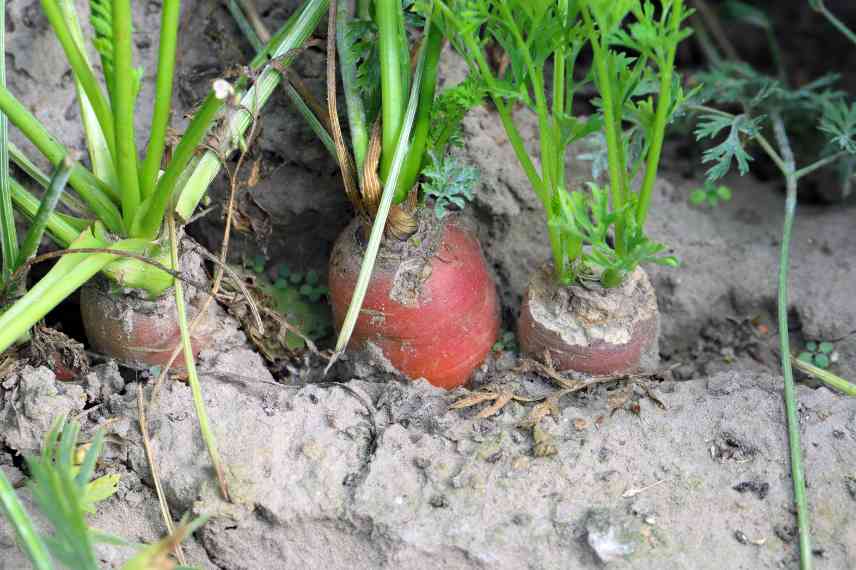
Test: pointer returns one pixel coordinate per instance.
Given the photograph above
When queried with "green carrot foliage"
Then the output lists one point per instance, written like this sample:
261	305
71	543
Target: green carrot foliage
633	46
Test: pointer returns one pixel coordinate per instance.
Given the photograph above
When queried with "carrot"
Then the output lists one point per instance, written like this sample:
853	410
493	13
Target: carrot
431	310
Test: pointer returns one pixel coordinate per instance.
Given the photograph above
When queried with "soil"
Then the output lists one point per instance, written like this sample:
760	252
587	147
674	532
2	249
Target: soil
687	469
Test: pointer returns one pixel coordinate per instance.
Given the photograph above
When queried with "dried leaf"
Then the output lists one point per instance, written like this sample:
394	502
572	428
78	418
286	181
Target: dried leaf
550	406
618	398
473	399
545	445
501	401
255	171
651	396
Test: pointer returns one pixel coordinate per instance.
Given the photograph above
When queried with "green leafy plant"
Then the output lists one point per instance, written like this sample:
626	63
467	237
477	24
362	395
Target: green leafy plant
63	490
450	184
300	299
819	354
125	198
770	106
601	230
385	161
710	194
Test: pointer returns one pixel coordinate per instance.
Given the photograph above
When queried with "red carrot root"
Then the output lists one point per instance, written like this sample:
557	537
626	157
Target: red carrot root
141	333
431	307
588	328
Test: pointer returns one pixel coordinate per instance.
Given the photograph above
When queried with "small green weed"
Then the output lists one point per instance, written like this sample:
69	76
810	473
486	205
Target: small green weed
64	492
299	297
821	354
450	183
710	194
507	342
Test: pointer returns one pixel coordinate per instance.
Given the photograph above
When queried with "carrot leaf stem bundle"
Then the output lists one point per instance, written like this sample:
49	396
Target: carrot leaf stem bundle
598	230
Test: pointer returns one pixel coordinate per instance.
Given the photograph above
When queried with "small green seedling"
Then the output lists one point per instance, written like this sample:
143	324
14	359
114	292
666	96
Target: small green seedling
63	491
507	342
450	183
259	262
710	194
820	354
298	297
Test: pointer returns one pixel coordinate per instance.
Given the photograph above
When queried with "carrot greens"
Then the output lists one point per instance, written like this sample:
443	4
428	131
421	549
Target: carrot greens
597	231
125	197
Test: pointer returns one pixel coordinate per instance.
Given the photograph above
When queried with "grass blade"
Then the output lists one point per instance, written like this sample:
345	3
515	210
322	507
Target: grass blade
192	377
87	468
8	233
123	93
28	538
163	96
46	208
60	499
383	209
827	377
155	555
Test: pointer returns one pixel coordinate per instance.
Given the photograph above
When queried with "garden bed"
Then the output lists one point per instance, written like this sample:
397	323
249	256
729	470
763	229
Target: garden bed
687	468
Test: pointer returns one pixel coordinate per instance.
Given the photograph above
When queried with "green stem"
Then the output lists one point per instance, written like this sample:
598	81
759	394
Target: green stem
192	377
282	48
28	538
61	228
480	62
391	80
244	25
99	153
42	217
806	170
827	377
83	181
364	9
616	175
69	273
664	101
253	32
8	231
82	71
422	125
123	110
353	100
379	223
549	146
836	23
794	447
163	96
150	217
67	199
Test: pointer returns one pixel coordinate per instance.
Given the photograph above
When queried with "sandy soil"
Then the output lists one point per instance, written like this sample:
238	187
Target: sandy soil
685	470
